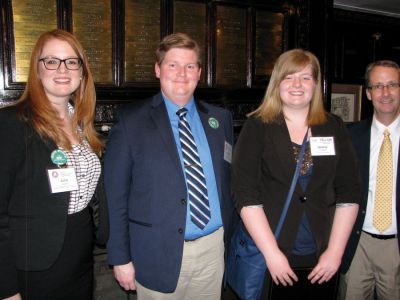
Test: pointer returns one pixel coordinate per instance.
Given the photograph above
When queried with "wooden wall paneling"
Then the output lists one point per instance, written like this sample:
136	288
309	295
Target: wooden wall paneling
30	19
190	17
142	34
92	25
2	52
236	67
361	38
320	41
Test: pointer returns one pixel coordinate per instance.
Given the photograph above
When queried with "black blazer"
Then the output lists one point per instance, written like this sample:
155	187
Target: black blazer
361	136
262	171
32	219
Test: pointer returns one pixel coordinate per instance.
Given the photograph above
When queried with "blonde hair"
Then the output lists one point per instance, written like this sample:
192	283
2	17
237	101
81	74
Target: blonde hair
290	62
35	107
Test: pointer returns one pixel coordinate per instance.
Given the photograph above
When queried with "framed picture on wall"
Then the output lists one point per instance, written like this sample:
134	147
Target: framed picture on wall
346	101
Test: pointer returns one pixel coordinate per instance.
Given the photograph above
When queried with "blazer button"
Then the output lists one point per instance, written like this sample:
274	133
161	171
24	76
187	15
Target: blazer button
183	201
180	230
358	232
303	199
363	212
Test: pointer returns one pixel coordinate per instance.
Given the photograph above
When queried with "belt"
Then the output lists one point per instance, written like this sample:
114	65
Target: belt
210	233
382	236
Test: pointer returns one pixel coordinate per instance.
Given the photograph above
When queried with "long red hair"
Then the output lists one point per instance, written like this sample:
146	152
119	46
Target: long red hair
35	107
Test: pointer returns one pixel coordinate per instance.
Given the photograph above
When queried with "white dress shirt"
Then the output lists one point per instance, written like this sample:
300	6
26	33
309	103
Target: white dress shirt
377	130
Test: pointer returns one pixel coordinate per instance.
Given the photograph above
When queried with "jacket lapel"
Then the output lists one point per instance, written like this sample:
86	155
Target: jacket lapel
362	147
215	138
281	142
159	115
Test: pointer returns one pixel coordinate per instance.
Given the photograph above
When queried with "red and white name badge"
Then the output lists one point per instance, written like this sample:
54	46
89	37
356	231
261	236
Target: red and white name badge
62	180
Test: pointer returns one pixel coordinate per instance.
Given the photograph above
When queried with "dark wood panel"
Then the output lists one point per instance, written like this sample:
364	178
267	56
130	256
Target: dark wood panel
231	45
142	34
191	18
93	27
31	18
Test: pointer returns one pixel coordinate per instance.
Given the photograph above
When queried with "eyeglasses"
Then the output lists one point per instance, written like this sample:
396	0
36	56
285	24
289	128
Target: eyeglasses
380	87
52	63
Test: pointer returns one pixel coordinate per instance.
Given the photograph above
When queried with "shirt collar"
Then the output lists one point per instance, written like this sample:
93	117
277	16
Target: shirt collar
172	107
393	127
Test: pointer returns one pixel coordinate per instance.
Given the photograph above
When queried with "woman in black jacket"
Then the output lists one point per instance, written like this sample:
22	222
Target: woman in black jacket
50	169
325	202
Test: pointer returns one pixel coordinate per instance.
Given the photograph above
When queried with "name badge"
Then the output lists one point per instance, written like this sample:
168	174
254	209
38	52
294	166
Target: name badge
322	145
228	152
62	180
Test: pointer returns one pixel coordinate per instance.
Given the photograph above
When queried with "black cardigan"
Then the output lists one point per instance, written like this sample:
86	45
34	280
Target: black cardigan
263	167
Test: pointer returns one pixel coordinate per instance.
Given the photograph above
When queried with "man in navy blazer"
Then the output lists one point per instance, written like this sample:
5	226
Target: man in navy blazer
371	262
154	245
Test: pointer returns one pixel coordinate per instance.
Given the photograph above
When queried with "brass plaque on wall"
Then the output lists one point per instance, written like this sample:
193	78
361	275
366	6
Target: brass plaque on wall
269	42
190	18
92	26
230	35
31	19
142	35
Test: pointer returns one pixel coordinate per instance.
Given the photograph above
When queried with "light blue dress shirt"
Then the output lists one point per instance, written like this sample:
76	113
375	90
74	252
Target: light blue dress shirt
192	231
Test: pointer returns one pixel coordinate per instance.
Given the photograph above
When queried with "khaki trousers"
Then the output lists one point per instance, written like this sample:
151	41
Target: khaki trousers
201	273
375	269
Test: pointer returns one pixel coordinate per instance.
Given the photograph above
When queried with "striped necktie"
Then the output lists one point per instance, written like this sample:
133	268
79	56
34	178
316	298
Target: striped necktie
195	180
382	215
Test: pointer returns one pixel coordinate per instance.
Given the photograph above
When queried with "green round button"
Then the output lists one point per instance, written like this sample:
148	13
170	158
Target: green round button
58	157
213	122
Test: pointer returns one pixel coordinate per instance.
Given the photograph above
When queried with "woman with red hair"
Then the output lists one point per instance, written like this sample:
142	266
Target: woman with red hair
50	170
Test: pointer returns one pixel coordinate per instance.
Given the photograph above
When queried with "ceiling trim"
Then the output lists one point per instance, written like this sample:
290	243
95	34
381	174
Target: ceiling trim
366	10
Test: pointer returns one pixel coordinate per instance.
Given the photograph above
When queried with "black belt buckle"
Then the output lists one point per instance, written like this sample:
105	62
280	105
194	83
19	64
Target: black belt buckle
382	236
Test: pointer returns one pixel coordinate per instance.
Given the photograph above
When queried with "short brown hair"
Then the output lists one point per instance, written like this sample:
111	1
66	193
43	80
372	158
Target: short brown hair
177	40
379	63
290	62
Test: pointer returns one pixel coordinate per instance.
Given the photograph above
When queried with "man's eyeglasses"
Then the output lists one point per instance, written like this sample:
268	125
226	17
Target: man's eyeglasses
52	63
380	87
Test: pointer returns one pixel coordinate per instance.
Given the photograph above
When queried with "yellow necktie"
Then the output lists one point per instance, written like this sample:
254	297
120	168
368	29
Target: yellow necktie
382	217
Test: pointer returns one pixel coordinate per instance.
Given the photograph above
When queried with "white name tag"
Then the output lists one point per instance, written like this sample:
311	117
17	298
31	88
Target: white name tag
62	180
322	145
228	152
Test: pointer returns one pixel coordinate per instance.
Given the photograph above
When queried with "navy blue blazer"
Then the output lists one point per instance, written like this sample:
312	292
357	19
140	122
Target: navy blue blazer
360	134
146	189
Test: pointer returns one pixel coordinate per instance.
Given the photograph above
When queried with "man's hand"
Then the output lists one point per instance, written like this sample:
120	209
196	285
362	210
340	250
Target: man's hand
125	275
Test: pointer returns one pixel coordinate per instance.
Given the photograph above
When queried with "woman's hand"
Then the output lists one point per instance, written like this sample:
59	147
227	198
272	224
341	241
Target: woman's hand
329	261
279	268
328	265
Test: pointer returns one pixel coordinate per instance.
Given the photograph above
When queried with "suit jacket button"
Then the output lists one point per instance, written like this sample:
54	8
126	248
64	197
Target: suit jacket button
358	232
180	230
183	201
303	199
